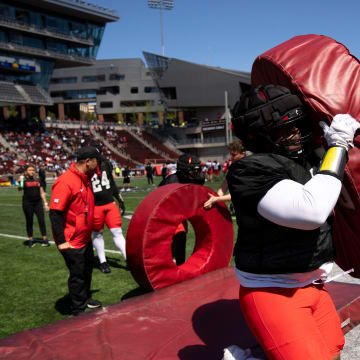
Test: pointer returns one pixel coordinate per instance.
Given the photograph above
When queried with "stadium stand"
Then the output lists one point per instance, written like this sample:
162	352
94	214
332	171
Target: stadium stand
128	143
157	144
54	144
9	92
36	94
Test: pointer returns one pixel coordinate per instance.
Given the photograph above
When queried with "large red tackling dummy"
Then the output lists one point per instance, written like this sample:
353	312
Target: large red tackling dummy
326	77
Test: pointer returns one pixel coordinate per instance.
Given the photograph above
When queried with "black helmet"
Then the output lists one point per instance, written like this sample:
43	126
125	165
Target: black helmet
266	112
90	142
188	169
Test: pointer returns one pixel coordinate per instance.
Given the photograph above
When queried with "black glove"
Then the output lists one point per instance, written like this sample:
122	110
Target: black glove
121	205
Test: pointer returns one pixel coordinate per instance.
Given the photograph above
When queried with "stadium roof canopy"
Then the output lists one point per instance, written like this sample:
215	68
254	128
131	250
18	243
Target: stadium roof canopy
79	8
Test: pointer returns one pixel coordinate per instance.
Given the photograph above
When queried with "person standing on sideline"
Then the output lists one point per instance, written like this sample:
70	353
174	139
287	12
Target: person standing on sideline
237	152
149	173
188	171
164	172
126	178
71	215
284	203
42	177
106	211
33	199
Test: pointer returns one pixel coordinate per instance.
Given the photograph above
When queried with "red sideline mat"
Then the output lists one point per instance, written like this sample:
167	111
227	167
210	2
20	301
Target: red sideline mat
192	320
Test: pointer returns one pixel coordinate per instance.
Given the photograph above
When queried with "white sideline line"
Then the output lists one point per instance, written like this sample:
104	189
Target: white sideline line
51	242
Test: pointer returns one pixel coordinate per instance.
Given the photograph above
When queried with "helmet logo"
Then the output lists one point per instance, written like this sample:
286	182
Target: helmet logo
262	95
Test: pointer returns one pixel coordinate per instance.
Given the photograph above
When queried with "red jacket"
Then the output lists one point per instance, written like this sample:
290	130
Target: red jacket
72	194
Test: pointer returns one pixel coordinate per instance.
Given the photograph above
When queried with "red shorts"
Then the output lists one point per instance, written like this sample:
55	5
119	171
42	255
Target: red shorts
108	214
293	324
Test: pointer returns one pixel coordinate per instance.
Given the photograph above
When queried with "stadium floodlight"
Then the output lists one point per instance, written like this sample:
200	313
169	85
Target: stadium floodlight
161	5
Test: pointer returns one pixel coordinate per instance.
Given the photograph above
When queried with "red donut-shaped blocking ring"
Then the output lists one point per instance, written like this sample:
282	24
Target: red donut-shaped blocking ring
150	232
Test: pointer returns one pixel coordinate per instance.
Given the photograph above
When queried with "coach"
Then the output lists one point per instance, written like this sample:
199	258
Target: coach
71	215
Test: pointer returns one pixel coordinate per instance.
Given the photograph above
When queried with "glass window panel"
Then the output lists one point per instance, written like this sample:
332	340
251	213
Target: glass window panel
15	38
22	16
106	104
150	89
3	36
33	42
4	11
66	80
116	77
89	78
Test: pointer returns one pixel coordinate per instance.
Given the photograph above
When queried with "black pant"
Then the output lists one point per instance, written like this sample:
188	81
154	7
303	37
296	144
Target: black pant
29	209
150	179
80	265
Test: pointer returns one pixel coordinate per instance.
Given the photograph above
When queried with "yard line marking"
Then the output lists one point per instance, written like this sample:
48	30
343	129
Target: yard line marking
14	236
51	242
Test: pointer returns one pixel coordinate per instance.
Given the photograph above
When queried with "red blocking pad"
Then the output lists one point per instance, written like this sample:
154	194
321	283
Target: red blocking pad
323	73
193	320
150	232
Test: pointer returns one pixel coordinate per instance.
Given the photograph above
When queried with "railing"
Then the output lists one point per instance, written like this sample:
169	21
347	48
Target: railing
11	23
198	141
46	53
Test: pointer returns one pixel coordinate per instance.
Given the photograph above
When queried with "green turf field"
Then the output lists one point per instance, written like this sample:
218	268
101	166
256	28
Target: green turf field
33	281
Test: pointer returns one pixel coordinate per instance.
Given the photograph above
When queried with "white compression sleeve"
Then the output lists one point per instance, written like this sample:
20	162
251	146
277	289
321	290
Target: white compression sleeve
119	240
305	207
98	242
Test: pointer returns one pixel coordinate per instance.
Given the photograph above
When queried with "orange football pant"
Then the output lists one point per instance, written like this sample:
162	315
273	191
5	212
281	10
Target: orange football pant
293	324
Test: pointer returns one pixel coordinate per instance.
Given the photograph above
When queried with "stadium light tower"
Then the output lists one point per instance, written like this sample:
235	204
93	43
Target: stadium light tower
161	5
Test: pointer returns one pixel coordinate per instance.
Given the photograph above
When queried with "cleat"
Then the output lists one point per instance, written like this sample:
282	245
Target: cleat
93	304
105	268
31	243
45	243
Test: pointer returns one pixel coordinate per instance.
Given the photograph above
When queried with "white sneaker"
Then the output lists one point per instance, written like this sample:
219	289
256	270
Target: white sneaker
234	352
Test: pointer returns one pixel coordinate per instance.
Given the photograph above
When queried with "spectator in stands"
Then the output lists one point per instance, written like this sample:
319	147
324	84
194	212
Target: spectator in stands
106	211
188	172
237	152
149	173
126	178
71	215
32	200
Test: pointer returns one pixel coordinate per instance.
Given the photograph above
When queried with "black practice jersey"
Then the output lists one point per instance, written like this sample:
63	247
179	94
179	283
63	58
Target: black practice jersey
103	184
31	190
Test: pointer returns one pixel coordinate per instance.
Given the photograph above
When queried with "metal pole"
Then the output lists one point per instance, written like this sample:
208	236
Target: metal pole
162	31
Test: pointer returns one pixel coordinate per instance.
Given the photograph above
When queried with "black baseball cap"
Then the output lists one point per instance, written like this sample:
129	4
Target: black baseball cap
90	142
87	152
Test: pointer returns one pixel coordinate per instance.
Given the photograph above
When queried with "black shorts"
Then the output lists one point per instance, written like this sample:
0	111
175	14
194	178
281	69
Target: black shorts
126	180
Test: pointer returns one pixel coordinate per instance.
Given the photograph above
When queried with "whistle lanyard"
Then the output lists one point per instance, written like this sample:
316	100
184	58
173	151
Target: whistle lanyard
85	189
